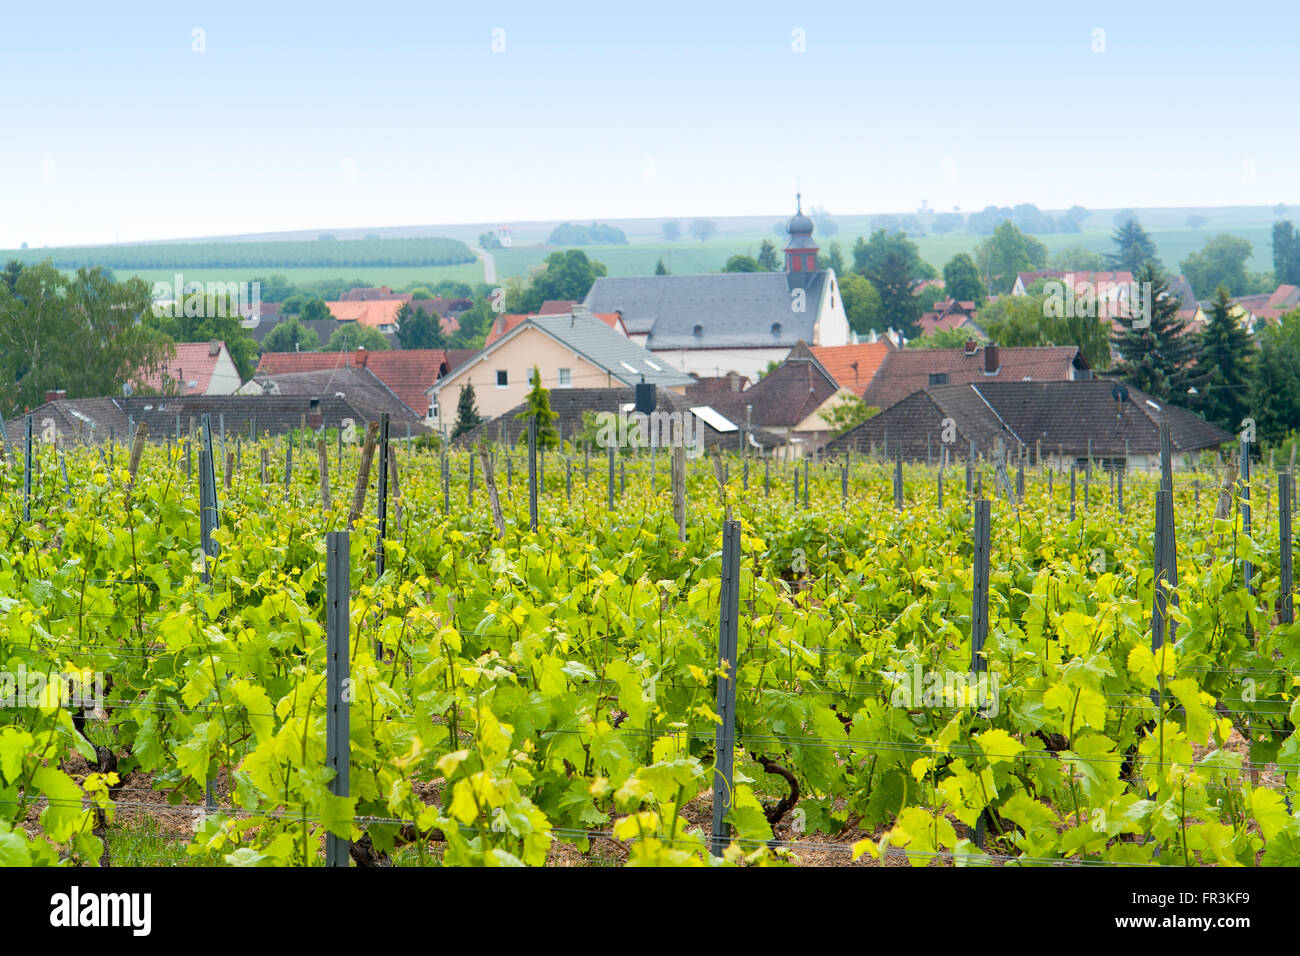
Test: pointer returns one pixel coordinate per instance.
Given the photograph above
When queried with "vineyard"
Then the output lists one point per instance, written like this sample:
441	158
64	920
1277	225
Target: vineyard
556	696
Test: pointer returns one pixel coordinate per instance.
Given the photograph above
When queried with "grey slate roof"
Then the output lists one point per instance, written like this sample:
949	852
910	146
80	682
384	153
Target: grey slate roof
1063	415
734	310
602	346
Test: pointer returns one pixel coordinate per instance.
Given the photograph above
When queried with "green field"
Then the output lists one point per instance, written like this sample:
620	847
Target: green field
394	276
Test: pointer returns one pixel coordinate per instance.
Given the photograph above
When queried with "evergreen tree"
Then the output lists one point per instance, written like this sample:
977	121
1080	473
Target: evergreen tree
1155	358
539	404
660	268
768	260
467	416
1133	247
1224	364
1286	253
416	329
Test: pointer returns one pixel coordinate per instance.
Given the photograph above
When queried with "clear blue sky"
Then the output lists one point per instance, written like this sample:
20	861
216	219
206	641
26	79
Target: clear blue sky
305	116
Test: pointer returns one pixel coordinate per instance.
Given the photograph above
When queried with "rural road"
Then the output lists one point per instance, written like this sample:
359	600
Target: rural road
489	265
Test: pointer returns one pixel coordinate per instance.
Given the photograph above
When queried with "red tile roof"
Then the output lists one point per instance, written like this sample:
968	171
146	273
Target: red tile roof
408	372
907	371
853	366
557	306
375	312
506	323
194	362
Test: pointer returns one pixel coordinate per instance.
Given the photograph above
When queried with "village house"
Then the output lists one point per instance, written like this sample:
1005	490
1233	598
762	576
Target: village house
193	368
575	350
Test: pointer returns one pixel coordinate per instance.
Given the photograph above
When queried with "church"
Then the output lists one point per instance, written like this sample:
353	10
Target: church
732	322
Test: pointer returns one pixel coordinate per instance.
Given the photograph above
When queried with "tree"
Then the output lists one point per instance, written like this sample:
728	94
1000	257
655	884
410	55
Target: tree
742	264
452	289
314	310
947	222
941	339
351	336
893	264
1124	217
824	223
564	275
660	268
81	333
474	324
1275	382
1155	358
1286	253
416	329
596	234
275	288
672	230
289	335
832	258
488	240
768	260
1032	320
1223	365
1076	258
704	229
1133	247
861	303
1195	221
1222	261
1004	254
961	280
847	414
467	416
539	405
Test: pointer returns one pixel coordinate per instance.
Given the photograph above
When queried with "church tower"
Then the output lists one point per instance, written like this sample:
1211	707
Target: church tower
800	249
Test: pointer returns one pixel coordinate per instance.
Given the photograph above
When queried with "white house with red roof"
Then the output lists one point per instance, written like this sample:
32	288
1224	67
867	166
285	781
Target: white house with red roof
194	368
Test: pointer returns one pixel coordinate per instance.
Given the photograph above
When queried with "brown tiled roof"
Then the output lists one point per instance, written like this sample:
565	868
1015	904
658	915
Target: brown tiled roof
375	294
407	372
93	419
1059	414
557	306
784	396
853	366
908	370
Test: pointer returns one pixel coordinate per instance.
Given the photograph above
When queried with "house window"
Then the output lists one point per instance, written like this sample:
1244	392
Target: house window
503	378
938	378
566	378
433	408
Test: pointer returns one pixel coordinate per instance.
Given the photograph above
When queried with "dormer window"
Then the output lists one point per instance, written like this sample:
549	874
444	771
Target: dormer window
776	328
699	330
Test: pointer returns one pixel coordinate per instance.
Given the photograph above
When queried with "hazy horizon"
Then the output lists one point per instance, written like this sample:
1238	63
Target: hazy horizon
338	117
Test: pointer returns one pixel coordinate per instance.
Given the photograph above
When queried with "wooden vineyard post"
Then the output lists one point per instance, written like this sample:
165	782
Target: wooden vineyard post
844	482
381	504
323	464
394	490
446	486
490	483
230	469
470	492
363	473
980	596
288	466
728	649
137	452
805	482
1074	471
898	482
970	470
679	488
266	464
1119	489
767	476
568	479
337	671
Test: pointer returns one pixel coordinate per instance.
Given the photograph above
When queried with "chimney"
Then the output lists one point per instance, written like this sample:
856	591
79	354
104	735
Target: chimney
735	381
314	418
580	311
56	395
359	357
991	359
214	348
971	346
